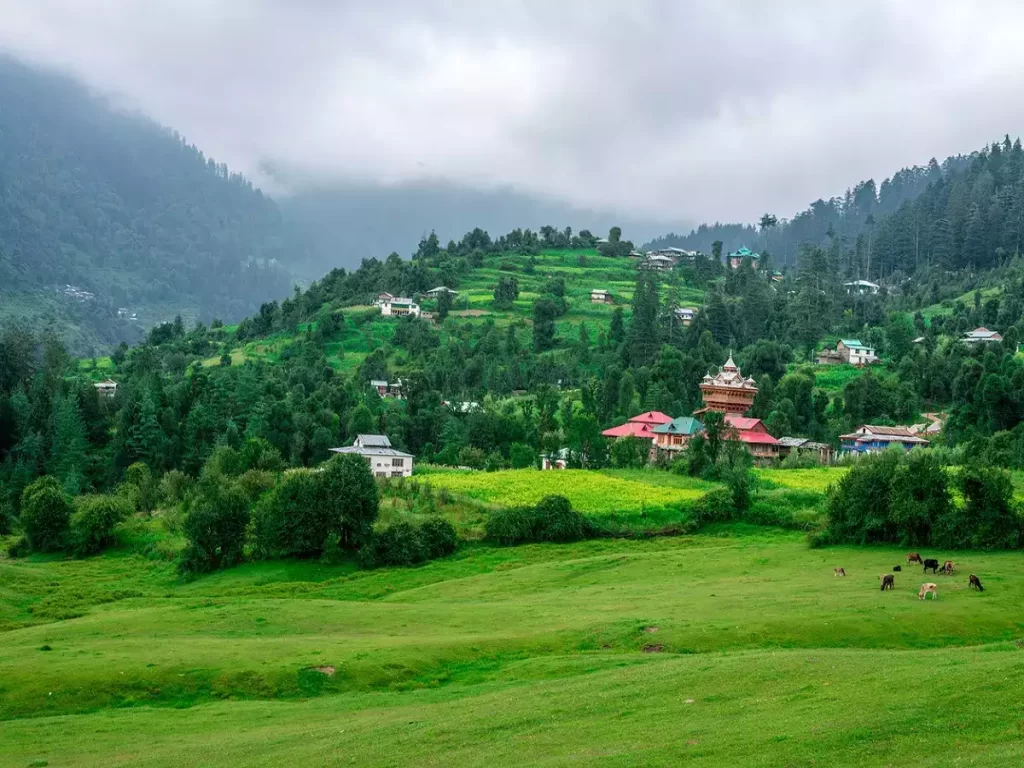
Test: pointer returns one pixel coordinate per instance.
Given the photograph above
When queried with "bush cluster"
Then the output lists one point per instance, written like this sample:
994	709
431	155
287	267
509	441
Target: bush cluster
908	500
405	543
312	511
552	519
94	520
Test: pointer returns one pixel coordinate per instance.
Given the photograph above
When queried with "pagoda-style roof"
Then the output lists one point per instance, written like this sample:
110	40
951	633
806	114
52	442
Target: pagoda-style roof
729	376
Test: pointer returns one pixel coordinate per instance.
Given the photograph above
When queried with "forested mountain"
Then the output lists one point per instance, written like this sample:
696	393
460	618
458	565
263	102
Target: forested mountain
897	225
129	214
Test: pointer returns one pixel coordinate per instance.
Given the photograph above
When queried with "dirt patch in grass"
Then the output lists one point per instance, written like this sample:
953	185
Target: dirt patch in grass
653	648
329	671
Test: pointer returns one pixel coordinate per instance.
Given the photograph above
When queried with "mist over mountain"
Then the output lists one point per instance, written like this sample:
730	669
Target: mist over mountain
109	222
348	222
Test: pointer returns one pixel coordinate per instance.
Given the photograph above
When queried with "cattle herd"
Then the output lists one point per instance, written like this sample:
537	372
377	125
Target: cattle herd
946	569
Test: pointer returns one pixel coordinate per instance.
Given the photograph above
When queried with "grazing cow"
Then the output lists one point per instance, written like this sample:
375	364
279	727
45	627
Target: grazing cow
926	588
931	563
840	571
975	583
913	557
897	568
888	581
947	567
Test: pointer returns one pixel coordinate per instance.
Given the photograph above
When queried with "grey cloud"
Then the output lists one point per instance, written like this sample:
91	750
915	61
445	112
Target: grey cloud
700	110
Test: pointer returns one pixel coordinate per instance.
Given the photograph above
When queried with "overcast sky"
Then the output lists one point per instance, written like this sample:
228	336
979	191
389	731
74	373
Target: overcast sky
695	110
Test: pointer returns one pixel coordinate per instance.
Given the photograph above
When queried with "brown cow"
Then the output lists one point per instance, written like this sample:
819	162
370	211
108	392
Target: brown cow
947	568
888	581
927	587
840	571
913	557
975	583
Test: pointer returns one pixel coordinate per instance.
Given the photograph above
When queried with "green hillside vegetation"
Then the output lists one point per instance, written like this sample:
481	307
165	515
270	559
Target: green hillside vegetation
130	214
739	647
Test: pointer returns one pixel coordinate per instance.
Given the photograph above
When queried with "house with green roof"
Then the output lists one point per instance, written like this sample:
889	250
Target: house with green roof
736	257
674	435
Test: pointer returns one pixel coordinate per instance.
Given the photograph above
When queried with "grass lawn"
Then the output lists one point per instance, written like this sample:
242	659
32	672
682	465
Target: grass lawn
733	648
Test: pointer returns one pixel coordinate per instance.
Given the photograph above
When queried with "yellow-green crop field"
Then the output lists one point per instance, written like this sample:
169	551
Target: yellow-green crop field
817	479
594	493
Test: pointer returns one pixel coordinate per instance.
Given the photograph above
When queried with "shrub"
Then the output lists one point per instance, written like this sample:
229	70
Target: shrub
553	519
45	515
215	529
404	543
715	506
298	516
439	537
988	519
522	456
256	482
139	476
174	485
558	521
512	525
398	544
94	520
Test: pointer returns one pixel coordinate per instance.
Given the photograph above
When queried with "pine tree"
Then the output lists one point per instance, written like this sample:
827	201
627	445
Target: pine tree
68	445
643	337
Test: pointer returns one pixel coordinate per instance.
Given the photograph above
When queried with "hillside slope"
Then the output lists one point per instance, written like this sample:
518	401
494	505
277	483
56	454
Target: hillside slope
127	213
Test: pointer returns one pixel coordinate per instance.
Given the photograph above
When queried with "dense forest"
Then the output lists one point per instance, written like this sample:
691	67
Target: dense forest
882	229
130	215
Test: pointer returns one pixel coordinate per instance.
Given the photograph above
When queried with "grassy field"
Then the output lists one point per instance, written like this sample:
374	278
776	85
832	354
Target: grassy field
734	648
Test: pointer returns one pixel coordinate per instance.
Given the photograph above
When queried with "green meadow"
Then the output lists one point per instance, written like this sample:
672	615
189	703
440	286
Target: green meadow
734	647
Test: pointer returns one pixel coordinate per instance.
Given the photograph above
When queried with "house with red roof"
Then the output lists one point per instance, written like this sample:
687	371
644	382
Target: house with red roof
639	426
754	436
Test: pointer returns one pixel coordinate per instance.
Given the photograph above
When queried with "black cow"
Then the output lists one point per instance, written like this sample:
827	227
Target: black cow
888	581
931	563
975	583
897	567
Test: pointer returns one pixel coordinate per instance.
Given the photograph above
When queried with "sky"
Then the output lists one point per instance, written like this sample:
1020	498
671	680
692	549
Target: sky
678	109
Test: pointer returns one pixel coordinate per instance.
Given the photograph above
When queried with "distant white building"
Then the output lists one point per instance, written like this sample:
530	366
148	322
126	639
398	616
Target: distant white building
686	315
658	263
861	287
384	460
388	389
981	336
106	388
601	296
435	293
397	306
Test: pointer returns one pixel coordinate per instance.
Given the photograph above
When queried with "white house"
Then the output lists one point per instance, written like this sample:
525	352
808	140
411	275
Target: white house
855	353
435	293
686	315
396	306
981	336
601	296
861	287
658	263
106	388
384	460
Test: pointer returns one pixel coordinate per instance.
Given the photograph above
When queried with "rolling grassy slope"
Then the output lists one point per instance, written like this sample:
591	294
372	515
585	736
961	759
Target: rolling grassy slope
364	330
735	648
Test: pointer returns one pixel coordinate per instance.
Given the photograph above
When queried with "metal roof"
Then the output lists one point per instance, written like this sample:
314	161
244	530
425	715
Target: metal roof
373	451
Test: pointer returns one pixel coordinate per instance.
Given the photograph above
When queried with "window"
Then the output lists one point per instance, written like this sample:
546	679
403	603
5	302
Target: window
398	462
397	474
